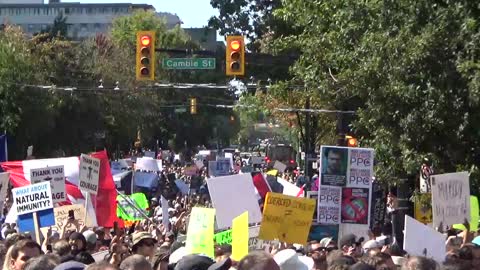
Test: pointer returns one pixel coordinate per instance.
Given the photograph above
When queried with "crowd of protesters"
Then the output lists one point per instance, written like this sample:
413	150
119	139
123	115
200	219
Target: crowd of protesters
148	244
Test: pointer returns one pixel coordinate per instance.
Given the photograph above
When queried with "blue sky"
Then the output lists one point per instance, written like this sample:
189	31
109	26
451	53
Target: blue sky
193	13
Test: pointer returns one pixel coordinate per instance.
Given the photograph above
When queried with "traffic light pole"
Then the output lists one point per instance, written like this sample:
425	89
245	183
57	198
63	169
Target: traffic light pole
307	137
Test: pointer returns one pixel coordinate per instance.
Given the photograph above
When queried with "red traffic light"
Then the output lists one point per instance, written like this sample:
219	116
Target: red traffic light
145	40
351	142
235	45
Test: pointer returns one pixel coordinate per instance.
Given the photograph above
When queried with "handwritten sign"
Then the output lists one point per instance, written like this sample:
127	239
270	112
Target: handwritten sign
55	175
32	198
61	217
89	174
240	237
286	218
200	231
450	198
432	244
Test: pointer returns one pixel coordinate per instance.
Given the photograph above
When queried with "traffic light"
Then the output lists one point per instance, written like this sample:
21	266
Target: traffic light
351	141
193	105
235	56
145	67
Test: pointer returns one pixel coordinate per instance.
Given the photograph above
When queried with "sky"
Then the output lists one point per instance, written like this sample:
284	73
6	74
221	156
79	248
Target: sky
193	13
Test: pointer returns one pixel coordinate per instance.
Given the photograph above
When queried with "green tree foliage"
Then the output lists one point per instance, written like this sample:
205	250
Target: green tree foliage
409	68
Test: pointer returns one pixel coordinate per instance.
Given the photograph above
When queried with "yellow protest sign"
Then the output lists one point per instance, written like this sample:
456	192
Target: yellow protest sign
240	236
272	172
286	218
474	216
423	211
200	231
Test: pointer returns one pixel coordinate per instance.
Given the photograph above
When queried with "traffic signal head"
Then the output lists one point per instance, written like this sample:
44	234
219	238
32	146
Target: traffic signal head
235	56
145	64
193	105
351	141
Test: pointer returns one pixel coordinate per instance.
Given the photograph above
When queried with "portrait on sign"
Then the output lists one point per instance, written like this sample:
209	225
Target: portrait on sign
334	164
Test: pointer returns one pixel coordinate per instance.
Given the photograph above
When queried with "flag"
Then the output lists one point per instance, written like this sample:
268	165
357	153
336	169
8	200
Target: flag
3	148
300	192
104	204
261	186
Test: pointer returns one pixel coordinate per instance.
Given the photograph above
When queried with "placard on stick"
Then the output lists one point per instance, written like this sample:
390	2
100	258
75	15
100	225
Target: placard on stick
56	176
89	174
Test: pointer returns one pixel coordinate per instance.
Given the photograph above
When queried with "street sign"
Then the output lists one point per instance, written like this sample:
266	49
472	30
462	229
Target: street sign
188	63
180	110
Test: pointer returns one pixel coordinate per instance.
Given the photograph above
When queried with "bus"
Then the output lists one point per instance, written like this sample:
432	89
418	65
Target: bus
281	152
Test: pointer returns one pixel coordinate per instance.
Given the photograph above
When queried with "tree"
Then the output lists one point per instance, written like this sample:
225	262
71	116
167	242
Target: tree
409	69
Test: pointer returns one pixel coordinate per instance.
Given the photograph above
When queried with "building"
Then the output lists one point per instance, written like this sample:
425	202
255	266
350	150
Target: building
83	20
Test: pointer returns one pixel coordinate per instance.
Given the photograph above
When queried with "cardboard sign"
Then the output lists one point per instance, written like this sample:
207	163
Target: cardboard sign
61	217
329	204
231	196
89	174
200	231
432	244
286	218
279	166
56	176
450	198
32	198
240	237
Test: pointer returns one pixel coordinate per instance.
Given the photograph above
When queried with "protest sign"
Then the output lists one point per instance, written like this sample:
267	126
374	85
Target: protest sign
200	231
432	244
191	171
199	164
165	215
55	176
360	168
320	231
246	169
279	166
286	218
225	237
129	207
3	187
145	179
333	166
474	214
220	167
147	164
450	198
355	202
378	205
89	174
240	237
149	154
314	195
423	208
329	204
257	160
229	156
32	198
231	196
61	218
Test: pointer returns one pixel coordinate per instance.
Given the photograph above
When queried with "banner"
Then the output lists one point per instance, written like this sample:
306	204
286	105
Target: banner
89	174
200	231
450	198
55	176
378	206
286	218
126	211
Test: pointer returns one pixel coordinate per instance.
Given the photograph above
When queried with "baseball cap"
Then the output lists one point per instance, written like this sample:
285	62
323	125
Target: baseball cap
139	236
350	240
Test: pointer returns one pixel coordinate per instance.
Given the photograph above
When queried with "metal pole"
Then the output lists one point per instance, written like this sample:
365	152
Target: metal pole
307	136
134	206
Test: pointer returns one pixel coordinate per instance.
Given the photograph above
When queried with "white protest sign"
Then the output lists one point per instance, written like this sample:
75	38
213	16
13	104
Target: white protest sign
147	164
150	154
279	166
89	174
450	198
432	244
165	215
32	198
3	188
360	167
56	176
230	157
231	196
329	204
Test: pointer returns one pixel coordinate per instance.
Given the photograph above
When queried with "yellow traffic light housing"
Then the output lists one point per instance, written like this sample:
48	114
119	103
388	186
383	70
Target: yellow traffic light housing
235	56
193	105
145	57
351	141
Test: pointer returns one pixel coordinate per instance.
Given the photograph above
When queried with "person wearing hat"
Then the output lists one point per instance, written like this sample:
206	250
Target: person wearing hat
143	244
350	245
194	262
288	259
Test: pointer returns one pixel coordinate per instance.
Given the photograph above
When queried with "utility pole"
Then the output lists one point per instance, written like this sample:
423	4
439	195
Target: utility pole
307	137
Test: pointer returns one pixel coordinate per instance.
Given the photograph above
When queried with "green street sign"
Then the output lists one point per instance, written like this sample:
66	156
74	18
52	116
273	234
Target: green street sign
188	63
180	110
